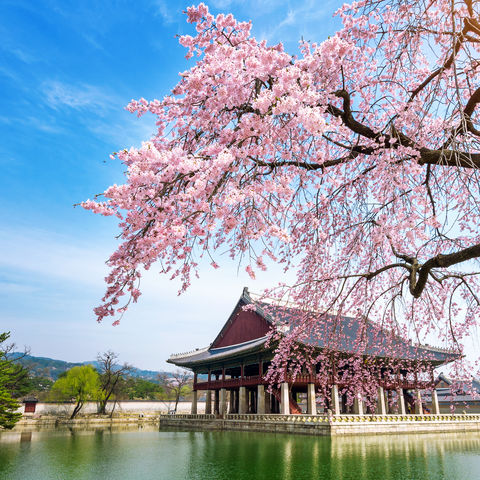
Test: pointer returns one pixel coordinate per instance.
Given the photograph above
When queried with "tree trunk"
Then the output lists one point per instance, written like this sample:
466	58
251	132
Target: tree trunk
77	408
102	407
113	408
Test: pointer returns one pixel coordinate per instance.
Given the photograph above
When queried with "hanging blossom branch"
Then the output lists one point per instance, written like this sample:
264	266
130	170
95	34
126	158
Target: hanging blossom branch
355	163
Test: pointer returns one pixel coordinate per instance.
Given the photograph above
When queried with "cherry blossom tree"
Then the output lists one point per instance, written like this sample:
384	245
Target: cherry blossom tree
354	163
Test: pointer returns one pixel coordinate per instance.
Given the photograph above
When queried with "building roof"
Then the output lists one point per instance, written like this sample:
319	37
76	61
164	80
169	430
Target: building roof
213	354
378	341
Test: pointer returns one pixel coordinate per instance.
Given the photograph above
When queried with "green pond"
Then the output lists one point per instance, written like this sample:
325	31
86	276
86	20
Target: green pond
151	454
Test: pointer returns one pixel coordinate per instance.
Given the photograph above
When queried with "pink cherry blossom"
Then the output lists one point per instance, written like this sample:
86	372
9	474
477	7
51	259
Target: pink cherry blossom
355	164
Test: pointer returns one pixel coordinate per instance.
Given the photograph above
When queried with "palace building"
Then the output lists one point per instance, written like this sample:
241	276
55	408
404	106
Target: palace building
231	371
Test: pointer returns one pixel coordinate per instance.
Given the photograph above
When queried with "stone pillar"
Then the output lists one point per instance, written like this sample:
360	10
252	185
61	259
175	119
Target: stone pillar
260	399
268	402
194	402
335	403
311	400
401	402
233	401
223	402
216	405
284	399
435	405
208	402
418	402
358	404
381	408
242	400
253	401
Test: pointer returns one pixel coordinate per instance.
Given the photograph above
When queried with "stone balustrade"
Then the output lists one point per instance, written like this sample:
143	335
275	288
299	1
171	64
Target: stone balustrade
335	418
191	416
326	425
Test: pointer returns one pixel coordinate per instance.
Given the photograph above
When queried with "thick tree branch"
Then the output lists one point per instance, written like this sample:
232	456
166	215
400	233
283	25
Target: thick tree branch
441	261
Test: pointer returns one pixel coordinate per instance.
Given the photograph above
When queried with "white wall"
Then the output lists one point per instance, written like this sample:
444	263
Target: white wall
134	407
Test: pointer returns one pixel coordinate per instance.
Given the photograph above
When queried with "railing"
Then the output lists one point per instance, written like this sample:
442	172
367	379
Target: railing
406	418
190	416
278	418
328	419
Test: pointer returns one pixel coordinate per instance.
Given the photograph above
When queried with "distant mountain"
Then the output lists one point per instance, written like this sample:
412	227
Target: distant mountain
51	368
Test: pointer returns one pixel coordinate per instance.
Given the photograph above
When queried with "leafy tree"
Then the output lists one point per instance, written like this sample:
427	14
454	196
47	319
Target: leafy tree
176	385
9	382
111	375
356	164
79	383
139	388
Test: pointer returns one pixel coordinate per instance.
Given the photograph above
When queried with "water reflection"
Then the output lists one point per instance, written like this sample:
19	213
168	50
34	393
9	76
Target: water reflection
254	455
131	453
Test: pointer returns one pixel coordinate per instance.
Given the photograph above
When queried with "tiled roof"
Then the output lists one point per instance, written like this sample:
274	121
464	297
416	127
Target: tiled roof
214	354
379	343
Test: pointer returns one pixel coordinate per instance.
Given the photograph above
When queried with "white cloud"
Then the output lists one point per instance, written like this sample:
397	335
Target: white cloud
164	11
124	132
222	3
79	97
296	21
51	282
50	255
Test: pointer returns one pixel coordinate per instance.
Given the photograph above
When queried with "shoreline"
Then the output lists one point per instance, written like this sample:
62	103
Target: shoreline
52	421
319	425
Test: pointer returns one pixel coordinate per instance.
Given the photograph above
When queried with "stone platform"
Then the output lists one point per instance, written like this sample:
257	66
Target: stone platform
326	425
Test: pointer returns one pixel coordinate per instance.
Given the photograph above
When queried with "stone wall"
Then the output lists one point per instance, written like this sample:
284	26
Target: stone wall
324	425
133	407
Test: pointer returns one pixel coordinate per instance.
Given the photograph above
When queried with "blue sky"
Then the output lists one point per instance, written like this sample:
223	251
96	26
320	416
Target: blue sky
67	70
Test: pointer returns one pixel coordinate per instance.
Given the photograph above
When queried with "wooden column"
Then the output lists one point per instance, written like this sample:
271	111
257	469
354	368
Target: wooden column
216	407
311	400
284	399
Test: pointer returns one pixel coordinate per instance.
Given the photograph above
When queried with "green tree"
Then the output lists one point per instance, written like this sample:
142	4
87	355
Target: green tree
136	388
81	384
9	382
